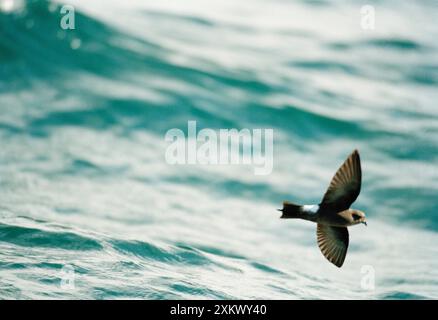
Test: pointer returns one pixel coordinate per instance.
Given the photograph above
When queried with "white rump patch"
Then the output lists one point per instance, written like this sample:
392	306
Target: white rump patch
313	208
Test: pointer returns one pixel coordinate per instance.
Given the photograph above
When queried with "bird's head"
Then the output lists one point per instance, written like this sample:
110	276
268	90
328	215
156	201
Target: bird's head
358	217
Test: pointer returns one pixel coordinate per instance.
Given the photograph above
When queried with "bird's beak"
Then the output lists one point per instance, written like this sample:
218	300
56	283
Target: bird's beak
365	223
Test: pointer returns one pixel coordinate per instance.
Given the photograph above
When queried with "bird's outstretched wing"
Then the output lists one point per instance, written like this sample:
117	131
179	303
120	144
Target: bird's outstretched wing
345	185
333	242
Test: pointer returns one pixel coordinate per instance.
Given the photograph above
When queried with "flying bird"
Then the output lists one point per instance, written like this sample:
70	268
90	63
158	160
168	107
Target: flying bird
333	215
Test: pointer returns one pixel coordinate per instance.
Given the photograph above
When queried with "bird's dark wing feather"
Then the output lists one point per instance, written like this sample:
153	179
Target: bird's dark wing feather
333	243
345	185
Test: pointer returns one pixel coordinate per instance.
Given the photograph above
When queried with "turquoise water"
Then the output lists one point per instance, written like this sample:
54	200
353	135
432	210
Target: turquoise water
83	181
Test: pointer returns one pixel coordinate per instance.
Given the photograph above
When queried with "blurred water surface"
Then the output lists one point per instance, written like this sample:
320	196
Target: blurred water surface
83	181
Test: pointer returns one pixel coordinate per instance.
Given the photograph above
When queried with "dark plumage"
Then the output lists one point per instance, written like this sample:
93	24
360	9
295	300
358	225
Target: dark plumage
333	215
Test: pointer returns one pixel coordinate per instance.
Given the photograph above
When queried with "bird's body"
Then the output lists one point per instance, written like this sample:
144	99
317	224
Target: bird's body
333	215
318	214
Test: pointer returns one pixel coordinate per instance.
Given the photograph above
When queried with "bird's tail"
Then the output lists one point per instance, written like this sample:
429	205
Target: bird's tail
291	210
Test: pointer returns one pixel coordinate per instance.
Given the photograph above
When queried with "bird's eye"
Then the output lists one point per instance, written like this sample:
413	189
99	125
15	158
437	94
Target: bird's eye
356	216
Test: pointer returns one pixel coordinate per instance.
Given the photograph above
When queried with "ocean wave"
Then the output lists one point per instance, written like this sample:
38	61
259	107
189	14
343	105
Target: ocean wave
29	237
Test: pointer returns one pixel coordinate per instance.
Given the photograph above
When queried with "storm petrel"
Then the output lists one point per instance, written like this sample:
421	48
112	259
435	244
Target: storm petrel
333	215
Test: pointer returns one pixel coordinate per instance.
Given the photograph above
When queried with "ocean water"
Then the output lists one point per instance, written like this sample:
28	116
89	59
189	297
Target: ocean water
89	208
